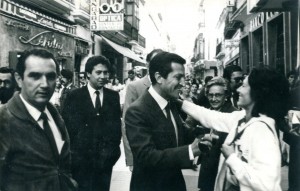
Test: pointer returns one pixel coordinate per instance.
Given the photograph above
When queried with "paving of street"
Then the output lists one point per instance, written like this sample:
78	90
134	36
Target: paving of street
121	176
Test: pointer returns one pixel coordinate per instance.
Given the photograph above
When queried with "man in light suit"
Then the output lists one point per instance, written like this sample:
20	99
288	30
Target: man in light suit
134	91
34	143
93	118
160	144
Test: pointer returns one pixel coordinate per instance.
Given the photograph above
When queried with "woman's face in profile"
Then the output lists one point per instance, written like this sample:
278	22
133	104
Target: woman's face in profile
244	95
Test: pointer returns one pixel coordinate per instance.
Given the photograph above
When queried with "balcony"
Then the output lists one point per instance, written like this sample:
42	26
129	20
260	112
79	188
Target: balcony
231	28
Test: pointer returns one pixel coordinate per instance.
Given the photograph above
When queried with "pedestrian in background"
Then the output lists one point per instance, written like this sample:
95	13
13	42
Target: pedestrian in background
7	84
67	85
251	157
217	92
133	91
34	143
93	118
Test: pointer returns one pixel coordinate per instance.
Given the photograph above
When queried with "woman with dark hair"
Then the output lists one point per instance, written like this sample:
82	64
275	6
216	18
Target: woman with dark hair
251	157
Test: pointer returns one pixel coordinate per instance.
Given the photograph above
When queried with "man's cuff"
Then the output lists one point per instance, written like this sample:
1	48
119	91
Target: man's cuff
191	155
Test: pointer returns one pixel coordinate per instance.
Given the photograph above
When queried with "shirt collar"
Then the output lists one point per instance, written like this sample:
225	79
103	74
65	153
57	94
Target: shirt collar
34	112
162	102
92	90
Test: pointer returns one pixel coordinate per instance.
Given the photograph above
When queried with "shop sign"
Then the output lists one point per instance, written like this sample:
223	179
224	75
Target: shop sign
44	39
17	25
41	19
107	15
271	15
232	43
257	21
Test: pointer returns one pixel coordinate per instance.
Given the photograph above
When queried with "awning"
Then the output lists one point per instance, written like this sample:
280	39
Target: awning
125	51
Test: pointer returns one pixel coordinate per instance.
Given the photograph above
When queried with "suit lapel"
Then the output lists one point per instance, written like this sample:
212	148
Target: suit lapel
159	115
88	102
17	107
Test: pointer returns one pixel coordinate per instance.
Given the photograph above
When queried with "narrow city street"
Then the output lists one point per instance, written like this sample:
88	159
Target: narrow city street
120	180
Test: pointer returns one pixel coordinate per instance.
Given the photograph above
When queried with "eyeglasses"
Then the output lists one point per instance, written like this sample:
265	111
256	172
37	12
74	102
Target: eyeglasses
238	79
217	95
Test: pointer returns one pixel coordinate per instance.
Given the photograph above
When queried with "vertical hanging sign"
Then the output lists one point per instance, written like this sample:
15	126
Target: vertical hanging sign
107	15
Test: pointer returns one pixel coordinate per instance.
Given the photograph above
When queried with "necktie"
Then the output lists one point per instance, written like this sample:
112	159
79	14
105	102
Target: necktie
48	131
97	102
168	111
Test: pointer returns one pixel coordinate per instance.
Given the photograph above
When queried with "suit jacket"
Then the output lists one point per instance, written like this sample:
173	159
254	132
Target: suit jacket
133	92
94	139
157	158
27	159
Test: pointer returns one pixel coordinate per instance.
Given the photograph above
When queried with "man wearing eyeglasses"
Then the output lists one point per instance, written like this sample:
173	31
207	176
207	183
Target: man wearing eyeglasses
7	84
234	75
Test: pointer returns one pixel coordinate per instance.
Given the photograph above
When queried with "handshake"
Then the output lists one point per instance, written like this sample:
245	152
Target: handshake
203	143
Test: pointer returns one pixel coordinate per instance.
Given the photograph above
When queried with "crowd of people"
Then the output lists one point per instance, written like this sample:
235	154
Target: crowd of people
56	135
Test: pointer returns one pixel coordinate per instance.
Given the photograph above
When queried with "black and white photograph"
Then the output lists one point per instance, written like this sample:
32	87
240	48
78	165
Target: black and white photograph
150	95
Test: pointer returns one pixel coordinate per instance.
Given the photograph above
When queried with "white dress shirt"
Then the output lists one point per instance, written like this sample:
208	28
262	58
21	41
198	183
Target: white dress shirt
93	94
35	113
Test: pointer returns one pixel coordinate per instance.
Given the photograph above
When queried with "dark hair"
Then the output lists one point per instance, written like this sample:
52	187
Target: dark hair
207	78
162	63
130	72
95	60
194	83
228	70
42	53
6	70
152	54
270	91
67	74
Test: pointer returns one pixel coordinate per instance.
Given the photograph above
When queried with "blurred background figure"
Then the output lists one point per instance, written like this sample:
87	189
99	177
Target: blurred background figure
194	93
82	79
184	94
292	78
55	99
67	85
217	92
131	77
235	77
7	84
203	101
116	85
132	92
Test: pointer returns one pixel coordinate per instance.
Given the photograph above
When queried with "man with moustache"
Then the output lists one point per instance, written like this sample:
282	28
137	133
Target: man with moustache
7	84
93	117
34	143
160	144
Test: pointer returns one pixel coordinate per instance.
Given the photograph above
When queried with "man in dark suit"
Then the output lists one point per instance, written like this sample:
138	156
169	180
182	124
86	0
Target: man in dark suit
133	92
93	118
34	143
160	144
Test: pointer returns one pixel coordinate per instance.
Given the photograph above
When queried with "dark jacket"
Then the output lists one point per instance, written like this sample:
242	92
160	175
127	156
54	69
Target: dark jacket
27	159
157	158
94	139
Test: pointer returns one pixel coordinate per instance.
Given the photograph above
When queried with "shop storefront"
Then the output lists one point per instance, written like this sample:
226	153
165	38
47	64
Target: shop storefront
22	28
267	39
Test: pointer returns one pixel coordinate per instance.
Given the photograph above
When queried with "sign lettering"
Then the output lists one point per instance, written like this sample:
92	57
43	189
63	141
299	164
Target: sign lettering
43	39
107	15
